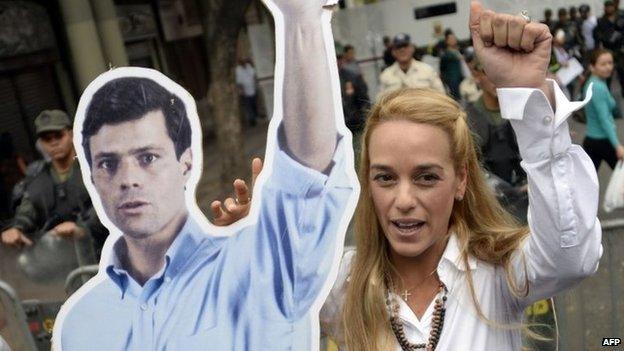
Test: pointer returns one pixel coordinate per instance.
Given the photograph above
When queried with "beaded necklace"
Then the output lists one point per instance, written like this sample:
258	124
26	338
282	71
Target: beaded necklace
436	325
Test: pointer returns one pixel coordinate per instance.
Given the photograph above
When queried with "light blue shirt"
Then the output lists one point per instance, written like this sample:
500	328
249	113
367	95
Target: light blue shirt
249	291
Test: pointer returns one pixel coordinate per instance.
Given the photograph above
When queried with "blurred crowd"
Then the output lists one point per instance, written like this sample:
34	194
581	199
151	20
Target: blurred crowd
587	48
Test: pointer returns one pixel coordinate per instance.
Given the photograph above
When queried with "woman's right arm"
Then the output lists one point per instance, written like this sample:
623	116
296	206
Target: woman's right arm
565	241
564	244
330	315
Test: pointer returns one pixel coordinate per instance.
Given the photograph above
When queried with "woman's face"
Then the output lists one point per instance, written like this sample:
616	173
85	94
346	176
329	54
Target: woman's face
451	40
603	67
413	184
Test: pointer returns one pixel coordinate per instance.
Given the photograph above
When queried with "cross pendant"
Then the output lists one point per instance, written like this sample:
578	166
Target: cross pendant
405	295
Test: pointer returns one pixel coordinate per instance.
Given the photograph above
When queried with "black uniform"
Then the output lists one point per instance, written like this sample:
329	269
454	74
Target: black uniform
611	35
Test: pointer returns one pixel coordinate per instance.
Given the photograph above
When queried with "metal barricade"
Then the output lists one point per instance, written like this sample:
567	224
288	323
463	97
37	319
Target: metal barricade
13	327
78	277
38	274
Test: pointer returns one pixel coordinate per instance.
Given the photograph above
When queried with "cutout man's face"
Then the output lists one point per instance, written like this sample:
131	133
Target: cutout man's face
138	176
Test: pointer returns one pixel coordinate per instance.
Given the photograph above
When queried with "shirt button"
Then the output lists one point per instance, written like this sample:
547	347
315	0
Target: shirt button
144	307
167	279
547	120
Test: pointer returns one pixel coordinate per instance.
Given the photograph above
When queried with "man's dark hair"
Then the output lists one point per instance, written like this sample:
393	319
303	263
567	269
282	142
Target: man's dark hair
131	98
347	48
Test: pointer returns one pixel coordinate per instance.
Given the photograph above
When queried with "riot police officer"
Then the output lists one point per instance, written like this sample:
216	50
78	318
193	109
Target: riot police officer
54	197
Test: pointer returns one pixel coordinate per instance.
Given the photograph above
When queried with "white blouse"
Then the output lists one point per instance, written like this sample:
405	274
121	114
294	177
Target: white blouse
564	246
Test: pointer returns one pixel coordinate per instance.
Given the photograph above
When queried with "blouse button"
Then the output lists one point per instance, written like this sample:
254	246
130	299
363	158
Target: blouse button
547	120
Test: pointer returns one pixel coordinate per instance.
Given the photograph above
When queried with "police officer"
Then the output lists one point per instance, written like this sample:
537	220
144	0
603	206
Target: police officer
407	72
54	197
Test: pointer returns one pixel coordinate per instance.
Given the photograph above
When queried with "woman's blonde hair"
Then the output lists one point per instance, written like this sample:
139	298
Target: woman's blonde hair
483	228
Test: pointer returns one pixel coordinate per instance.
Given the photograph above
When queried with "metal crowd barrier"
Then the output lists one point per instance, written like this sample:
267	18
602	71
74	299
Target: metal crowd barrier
39	276
13	327
78	277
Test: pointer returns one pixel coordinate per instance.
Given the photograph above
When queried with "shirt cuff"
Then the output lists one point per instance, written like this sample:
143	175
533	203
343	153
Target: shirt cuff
541	132
292	177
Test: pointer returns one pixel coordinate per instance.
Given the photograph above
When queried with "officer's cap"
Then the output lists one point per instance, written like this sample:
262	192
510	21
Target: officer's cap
401	39
51	121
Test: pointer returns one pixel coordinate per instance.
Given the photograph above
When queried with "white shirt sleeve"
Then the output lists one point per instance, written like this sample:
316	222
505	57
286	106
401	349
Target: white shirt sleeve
239	75
564	245
3	345
330	314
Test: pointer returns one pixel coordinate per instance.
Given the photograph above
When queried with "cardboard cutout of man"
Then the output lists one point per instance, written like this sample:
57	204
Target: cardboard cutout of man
165	284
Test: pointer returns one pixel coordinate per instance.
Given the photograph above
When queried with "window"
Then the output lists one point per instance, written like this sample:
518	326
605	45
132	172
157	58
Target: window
435	10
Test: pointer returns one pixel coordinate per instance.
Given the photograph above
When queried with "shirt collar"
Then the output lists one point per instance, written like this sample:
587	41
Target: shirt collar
451	257
188	241
184	246
411	68
452	254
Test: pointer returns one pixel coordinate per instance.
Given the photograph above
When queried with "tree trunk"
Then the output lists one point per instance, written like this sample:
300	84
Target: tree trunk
223	21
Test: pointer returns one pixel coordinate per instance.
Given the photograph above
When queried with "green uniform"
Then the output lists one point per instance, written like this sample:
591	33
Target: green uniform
496	142
51	198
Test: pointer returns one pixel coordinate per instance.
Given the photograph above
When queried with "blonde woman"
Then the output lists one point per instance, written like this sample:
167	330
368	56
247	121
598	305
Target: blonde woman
438	263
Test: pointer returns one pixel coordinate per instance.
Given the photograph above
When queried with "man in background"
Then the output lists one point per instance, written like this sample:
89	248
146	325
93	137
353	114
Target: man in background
350	63
548	19
387	55
407	72
589	22
54	197
246	82
495	137
609	33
